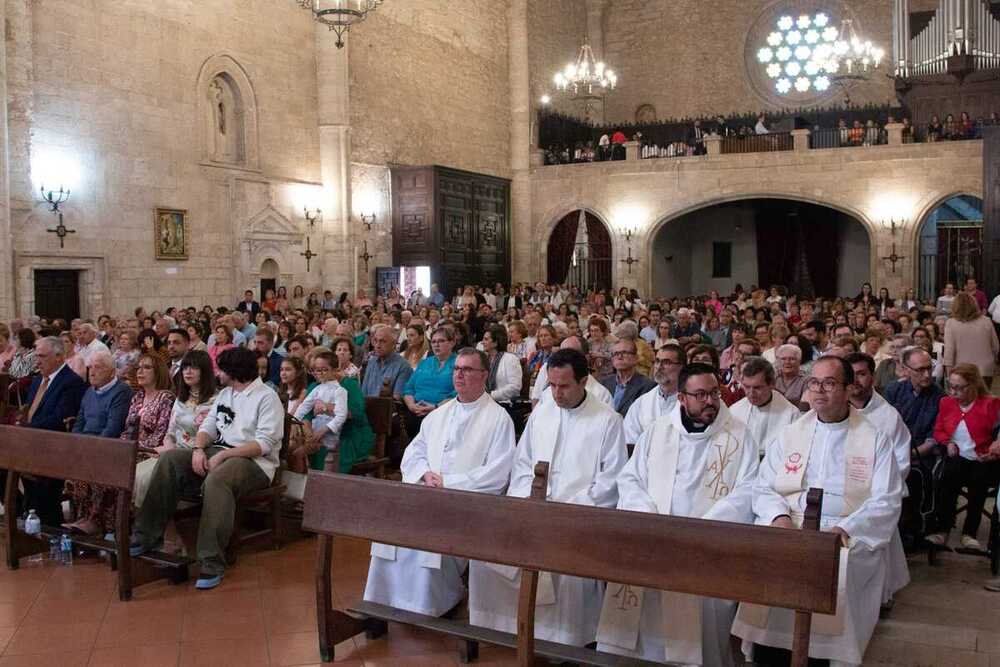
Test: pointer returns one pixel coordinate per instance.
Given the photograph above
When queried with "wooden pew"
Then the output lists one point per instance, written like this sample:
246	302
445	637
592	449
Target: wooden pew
106	461
755	564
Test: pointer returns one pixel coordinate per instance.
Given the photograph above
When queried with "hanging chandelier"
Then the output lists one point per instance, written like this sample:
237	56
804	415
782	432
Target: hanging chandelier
340	15
586	76
808	53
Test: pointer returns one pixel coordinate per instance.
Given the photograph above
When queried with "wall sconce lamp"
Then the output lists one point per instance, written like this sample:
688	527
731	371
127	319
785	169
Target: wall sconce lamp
54	198
892	226
312	216
367	221
627	232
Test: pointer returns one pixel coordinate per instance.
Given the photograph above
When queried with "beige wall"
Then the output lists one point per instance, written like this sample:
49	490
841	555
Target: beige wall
873	184
686	57
556	31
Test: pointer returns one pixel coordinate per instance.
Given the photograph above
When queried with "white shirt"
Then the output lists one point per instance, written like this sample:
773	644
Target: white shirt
644	411
962	438
509	378
765	422
252	415
594	388
889	422
328	392
994	309
91	347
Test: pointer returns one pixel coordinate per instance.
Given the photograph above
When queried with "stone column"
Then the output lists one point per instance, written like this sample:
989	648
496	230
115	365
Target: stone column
337	252
800	140
7	301
895	133
522	227
713	144
632	149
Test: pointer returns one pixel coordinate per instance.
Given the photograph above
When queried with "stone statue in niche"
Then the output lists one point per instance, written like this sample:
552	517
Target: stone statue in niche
226	119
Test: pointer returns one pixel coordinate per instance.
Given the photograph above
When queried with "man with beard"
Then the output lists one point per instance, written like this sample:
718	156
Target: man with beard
654	404
698	462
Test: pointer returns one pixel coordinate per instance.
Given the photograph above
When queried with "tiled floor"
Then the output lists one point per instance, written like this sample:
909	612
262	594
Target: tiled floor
264	614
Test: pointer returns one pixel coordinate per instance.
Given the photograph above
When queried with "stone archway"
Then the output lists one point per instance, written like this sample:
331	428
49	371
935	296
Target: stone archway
765	240
227	109
948	244
579	252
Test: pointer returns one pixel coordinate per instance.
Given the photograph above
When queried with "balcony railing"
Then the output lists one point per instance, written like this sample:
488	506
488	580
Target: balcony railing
847	137
758	143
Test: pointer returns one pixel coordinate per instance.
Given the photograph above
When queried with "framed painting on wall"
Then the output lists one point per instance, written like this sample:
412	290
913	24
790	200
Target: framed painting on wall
170	233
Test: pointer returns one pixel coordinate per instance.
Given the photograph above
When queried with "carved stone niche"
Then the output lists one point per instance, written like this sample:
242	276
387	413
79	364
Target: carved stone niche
227	107
269	235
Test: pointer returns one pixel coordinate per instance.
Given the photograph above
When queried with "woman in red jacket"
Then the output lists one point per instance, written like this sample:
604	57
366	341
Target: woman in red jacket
966	423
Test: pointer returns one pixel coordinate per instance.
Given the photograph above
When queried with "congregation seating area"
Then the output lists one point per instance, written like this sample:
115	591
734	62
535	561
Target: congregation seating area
730	335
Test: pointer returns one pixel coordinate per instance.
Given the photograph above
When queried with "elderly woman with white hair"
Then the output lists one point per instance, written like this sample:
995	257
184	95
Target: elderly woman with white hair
790	381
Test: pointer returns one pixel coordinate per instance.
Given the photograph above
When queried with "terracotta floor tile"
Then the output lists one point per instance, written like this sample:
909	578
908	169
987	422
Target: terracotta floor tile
135	630
152	655
6	634
244	624
405	660
60	610
20	591
53	638
289	595
224	653
61	658
220	600
290	620
296	649
12	613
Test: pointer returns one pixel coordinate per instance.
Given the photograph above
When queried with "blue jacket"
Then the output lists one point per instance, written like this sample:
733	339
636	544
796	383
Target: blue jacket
274	368
104	414
61	400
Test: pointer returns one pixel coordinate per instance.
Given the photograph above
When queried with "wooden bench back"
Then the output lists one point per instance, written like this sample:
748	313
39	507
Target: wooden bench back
777	567
379	411
86	458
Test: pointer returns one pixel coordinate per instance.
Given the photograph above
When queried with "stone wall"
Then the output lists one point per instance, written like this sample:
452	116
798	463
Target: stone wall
104	98
429	85
687	58
873	184
556	31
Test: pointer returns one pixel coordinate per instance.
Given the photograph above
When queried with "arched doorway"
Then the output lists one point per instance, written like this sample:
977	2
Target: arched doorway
811	250
579	252
950	245
269	273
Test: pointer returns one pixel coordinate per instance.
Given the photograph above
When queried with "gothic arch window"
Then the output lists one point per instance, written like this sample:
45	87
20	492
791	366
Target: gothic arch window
227	106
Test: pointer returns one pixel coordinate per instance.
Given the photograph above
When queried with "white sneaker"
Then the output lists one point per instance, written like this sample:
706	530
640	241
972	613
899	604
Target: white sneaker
937	539
969	542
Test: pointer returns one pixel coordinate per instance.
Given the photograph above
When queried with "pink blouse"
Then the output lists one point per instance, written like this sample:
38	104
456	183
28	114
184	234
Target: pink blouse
148	420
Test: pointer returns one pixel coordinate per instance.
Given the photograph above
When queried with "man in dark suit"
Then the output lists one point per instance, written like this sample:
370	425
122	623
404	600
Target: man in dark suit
626	384
248	305
264	343
54	396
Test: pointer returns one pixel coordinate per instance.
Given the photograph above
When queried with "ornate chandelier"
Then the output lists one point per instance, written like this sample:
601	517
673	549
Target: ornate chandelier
586	75
340	15
808	53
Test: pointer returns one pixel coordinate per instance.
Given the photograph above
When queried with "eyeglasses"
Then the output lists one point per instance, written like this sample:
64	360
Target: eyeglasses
957	388
825	385
465	370
922	370
322	370
704	396
622	353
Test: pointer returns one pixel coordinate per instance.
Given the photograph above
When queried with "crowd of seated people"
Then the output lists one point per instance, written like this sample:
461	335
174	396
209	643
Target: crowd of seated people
213	416
962	128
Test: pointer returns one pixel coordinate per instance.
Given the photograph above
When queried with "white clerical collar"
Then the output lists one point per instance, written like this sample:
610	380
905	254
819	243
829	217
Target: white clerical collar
471	404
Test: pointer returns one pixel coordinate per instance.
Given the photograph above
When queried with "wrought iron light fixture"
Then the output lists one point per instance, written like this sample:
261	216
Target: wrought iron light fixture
54	198
367	220
340	15
586	77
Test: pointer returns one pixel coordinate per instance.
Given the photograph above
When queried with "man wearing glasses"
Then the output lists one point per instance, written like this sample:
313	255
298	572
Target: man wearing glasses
466	444
693	462
654	404
916	398
835	448
626	384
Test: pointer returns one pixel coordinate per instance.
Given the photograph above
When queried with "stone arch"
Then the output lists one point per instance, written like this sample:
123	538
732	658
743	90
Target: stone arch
269	269
227	109
553	218
932	203
666	218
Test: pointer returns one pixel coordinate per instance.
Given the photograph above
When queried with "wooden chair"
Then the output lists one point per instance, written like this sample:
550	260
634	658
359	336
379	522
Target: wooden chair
266	501
628	548
379	411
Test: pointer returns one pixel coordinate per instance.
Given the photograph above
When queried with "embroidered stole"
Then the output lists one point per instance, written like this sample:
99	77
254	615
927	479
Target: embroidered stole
621	613
859	463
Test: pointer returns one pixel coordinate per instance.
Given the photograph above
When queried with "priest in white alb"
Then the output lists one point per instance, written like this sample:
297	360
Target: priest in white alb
581	438
466	444
698	462
667	364
540	391
886	419
835	448
763	410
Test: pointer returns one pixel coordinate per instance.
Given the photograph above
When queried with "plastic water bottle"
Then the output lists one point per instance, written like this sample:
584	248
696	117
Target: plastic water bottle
32	525
66	550
54	550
